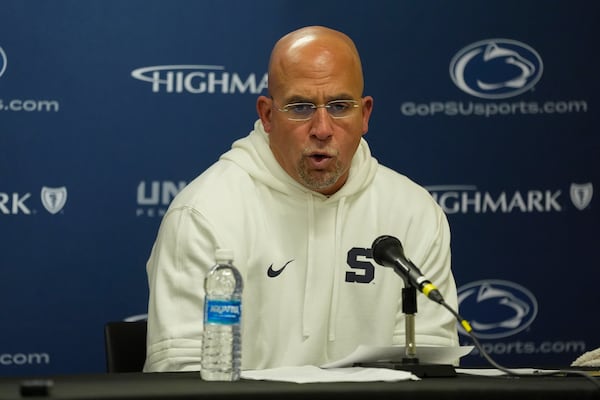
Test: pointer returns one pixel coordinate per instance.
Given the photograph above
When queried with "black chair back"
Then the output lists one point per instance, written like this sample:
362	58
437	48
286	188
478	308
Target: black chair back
125	346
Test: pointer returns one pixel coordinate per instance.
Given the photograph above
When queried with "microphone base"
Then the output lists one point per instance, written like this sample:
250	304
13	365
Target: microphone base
420	370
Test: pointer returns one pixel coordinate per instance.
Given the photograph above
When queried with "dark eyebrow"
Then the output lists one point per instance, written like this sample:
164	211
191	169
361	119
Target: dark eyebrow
298	99
341	96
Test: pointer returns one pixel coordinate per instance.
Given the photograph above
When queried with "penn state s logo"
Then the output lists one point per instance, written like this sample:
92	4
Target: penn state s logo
496	68
359	260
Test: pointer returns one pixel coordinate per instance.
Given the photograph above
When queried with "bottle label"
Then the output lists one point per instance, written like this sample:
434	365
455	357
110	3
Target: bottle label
222	312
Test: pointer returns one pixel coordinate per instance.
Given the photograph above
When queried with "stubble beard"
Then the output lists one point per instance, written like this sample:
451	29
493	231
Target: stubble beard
319	179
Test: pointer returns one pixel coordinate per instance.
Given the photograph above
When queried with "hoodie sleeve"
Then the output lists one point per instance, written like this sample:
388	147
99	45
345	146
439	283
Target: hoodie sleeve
430	251
179	261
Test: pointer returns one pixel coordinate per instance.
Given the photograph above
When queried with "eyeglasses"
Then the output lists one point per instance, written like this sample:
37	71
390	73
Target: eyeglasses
304	111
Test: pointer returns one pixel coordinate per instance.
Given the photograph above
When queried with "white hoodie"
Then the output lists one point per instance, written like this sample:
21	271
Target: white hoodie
329	295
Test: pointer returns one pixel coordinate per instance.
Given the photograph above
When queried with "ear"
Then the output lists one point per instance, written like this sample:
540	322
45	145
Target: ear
367	108
264	107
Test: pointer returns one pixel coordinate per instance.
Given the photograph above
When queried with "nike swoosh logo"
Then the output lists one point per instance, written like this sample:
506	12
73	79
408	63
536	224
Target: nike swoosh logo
272	273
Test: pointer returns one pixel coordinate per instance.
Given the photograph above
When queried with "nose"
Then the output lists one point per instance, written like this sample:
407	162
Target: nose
321	124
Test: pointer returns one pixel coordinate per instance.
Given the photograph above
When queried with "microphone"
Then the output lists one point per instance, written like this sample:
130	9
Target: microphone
388	251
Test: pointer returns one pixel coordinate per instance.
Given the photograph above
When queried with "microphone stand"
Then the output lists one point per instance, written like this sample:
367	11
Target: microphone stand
409	308
387	251
410	361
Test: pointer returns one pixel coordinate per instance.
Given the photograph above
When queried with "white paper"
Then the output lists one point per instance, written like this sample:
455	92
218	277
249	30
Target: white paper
425	354
310	373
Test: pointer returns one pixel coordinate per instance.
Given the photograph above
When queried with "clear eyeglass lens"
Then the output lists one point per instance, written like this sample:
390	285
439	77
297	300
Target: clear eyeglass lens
305	111
301	110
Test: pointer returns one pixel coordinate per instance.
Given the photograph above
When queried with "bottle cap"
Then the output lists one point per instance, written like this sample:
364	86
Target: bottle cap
224	255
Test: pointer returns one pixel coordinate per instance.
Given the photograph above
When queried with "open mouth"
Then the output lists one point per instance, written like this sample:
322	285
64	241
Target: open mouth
320	161
319	157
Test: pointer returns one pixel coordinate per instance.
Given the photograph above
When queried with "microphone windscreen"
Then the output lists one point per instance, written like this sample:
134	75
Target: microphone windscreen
386	248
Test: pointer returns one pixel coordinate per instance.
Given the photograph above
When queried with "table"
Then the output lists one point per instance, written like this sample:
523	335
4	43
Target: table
188	385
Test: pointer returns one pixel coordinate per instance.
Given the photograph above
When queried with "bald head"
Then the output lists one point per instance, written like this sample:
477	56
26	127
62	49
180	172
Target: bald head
315	68
314	49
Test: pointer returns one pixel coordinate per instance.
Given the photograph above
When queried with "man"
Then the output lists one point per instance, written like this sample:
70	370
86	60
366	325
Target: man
300	201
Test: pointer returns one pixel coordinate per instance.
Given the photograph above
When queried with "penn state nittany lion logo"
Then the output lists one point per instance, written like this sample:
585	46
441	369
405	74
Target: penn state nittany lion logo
496	308
496	68
3	61
54	199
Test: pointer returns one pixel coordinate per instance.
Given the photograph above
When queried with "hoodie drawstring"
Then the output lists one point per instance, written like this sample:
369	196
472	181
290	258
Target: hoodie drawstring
338	268
310	211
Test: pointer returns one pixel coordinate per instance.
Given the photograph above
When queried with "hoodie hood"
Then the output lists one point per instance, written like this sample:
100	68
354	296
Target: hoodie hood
254	155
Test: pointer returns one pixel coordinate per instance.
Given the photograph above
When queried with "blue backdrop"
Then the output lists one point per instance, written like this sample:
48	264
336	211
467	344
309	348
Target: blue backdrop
108	107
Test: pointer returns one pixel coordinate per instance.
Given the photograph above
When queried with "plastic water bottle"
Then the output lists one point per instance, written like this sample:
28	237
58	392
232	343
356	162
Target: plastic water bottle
222	340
